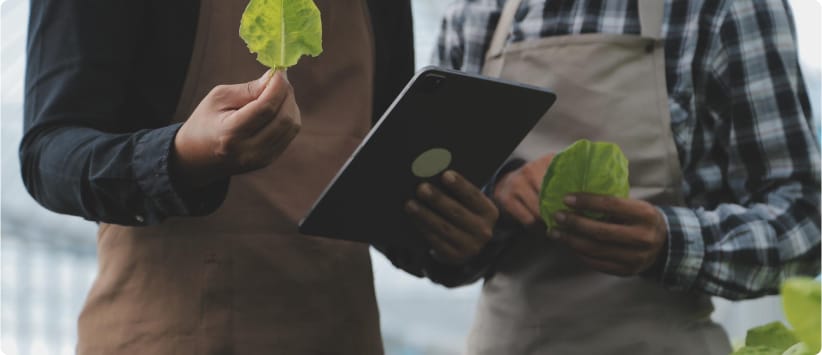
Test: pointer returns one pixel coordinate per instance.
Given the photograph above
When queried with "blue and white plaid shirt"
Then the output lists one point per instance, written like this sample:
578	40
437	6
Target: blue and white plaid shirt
741	120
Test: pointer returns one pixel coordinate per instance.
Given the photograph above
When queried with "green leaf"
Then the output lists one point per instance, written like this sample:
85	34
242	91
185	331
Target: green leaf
757	350
282	31
801	299
799	349
774	335
598	168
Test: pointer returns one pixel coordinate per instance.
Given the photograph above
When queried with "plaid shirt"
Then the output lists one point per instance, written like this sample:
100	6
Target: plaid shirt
741	120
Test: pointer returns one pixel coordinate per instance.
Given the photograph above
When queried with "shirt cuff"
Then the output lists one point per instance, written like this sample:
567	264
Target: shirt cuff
686	249
506	168
163	198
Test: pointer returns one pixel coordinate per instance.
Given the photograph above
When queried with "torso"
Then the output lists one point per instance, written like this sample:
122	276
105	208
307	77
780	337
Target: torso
243	280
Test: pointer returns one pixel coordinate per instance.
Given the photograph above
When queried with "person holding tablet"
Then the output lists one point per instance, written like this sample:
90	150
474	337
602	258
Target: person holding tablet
708	102
134	120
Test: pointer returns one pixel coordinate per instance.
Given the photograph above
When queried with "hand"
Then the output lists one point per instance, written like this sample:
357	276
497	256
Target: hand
627	243
458	224
236	129
518	191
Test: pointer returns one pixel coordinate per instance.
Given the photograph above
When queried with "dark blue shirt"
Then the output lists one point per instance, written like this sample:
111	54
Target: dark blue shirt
102	83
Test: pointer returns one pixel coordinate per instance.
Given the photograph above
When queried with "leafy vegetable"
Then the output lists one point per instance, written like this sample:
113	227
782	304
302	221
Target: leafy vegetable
282	31
599	168
757	350
774	335
799	349
801	301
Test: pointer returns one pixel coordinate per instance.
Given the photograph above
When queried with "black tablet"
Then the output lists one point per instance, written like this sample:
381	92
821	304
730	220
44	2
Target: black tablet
442	120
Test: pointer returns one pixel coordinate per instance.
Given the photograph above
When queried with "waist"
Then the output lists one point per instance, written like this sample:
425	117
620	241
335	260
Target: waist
162	285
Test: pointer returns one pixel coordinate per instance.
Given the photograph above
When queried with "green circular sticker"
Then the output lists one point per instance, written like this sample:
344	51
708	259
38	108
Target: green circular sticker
431	162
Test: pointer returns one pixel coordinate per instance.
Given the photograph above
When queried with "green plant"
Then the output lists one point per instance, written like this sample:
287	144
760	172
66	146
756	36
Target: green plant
282	31
801	299
585	166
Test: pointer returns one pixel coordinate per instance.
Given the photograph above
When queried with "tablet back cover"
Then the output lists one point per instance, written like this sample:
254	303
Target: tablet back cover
478	121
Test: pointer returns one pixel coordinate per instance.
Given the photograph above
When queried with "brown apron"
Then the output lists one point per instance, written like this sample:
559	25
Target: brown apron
542	299
243	281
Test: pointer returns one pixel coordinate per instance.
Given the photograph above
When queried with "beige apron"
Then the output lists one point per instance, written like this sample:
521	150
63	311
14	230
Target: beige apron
243	281
542	299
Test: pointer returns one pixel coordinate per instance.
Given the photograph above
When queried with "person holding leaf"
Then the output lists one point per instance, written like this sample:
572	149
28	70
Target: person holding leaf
135	120
707	101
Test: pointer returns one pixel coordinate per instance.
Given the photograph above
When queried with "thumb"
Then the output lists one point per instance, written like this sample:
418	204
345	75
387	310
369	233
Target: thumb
238	95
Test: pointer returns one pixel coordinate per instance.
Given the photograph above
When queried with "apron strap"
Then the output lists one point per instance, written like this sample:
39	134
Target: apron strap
651	17
506	21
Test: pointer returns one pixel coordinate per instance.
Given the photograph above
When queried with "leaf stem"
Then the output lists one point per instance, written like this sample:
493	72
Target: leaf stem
282	33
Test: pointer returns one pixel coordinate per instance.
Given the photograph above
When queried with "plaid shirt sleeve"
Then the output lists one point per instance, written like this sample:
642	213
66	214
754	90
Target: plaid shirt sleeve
766	156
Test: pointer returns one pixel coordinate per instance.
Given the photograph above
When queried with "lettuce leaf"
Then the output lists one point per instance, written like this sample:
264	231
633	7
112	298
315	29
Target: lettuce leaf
757	350
585	166
282	31
801	301
799	349
774	335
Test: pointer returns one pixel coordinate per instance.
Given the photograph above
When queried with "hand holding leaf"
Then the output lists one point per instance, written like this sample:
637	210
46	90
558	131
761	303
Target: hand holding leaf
586	183
587	167
282	31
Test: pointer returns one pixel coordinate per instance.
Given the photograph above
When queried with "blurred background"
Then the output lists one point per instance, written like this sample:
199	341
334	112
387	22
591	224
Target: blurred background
48	261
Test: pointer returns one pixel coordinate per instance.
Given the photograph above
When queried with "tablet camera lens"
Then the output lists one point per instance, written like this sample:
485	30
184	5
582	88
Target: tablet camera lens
432	82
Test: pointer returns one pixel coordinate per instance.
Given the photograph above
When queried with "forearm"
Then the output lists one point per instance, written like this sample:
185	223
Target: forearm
122	178
740	252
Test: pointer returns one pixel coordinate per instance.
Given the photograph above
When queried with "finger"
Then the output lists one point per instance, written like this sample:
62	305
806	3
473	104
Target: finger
454	212
279	146
517	209
442	250
537	170
444	253
622	209
531	202
260	111
430	222
231	97
470	196
593	249
507	194
287	122
601	231
535	181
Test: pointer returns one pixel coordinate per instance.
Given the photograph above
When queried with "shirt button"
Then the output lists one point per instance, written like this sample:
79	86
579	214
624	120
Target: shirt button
139	218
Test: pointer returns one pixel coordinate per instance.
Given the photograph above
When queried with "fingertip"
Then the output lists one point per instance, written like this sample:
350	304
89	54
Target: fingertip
412	206
265	77
528	220
425	190
275	90
561	217
449	177
277	77
570	200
